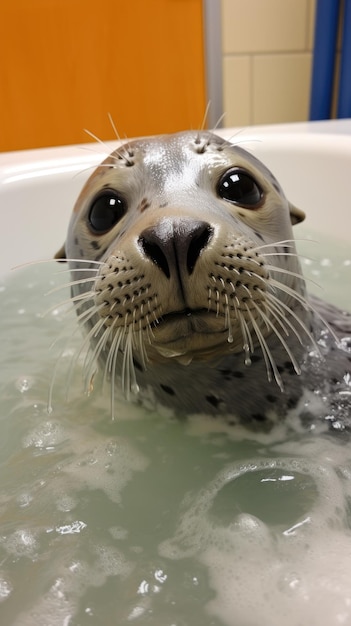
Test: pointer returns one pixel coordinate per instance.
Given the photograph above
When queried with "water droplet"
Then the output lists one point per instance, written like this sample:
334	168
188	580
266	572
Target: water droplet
247	354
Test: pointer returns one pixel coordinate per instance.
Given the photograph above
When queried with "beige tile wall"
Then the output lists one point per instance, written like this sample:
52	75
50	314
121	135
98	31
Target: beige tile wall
267	60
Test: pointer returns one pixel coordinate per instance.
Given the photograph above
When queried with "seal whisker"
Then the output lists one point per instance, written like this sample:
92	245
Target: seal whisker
204	119
107	149
230	143
129	383
142	350
291	292
87	295
83	318
278	303
288	243
228	321
113	126
54	260
280	337
295	254
111	349
53	376
111	363
278	313
279	316
220	119
85	343
90	365
87	313
77	269
89	261
149	331
92	333
80	281
306	304
112	155
52	381
282	270
248	140
271	366
81	298
247	337
217	302
67	342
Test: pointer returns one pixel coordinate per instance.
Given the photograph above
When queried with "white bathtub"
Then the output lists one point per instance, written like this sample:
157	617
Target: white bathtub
38	187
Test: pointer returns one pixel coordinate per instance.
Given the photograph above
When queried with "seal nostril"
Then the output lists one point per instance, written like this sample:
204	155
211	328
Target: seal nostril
174	245
154	252
200	239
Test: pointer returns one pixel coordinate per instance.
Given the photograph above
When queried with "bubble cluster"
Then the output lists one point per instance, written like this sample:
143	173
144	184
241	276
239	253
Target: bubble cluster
293	574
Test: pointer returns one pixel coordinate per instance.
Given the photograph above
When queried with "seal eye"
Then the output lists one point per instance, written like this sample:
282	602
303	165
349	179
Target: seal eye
238	187
106	210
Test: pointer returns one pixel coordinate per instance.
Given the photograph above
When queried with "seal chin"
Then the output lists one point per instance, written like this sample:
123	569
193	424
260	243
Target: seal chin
184	352
192	335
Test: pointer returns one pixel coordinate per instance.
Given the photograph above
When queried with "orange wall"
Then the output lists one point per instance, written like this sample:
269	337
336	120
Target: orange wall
66	63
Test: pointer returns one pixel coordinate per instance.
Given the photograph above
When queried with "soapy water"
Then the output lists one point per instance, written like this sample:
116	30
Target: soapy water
148	520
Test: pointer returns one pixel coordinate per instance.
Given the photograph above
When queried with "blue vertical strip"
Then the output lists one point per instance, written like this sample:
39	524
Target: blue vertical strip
344	101
325	33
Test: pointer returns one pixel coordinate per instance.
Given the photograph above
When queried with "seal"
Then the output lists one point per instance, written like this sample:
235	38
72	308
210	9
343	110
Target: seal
187	281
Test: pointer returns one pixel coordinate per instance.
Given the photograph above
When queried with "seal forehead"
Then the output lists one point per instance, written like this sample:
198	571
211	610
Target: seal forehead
161	162
170	153
176	162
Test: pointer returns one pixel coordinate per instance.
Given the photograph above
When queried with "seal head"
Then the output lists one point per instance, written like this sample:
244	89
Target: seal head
197	292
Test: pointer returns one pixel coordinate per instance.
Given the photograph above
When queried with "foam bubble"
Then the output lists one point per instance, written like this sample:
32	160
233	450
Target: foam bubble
45	435
293	583
275	571
22	542
109	465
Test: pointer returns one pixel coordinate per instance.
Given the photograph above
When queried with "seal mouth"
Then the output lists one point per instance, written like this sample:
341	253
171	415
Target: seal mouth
181	314
189	334
192	332
189	320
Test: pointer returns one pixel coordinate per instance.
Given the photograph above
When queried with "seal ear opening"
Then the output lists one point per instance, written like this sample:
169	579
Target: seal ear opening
296	215
61	254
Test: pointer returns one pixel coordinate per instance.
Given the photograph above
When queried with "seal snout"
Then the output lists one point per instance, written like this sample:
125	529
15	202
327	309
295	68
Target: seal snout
174	245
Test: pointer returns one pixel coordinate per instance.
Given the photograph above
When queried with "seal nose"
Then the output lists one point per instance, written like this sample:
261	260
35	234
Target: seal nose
175	243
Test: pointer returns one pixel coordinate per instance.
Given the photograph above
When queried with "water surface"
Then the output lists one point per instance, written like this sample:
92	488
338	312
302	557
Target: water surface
144	519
